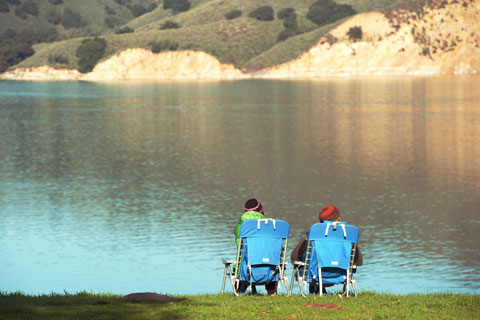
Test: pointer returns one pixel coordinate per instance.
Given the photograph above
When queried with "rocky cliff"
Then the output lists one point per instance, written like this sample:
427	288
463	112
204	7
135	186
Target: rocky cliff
140	64
441	38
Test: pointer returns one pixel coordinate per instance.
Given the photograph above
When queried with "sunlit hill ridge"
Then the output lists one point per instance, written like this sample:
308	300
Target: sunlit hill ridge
385	38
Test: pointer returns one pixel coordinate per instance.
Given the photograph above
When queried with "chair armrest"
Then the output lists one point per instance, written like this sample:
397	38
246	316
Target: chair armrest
227	261
298	263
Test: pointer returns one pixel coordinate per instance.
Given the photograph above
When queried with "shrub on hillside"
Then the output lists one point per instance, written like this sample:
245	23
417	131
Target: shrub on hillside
163	45
327	11
112	21
53	17
72	19
137	10
4	6
124	30
15	47
286	13
89	52
151	7
55	2
330	39
233	14
57	59
263	13
14	2
290	22
47	35
13	52
286	33
355	33
109	10
7	35
30	8
20	13
176	5
169	25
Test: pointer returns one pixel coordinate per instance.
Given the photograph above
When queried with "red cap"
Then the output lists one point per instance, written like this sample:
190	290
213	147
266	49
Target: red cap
329	213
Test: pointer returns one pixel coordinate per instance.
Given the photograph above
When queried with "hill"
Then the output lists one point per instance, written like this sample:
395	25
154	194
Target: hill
238	33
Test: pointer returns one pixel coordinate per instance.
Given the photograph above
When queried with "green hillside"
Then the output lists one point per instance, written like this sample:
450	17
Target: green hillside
48	32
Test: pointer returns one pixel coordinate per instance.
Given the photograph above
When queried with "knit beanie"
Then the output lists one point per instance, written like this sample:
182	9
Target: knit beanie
329	213
253	205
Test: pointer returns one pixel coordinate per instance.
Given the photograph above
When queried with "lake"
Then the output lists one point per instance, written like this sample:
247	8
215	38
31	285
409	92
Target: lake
128	187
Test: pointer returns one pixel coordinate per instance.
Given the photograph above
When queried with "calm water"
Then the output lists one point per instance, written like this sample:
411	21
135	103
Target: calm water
134	187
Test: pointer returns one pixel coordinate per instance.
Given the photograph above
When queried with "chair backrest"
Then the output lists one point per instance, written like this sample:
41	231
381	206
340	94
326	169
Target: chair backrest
330	248
263	246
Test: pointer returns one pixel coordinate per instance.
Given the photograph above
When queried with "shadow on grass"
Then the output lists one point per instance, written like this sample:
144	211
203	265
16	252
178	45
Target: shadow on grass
84	306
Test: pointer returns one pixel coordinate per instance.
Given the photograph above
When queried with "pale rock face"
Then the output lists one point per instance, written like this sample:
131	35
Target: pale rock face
451	34
445	40
41	73
140	64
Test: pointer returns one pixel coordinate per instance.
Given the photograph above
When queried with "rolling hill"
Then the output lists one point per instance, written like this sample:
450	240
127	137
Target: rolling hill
229	31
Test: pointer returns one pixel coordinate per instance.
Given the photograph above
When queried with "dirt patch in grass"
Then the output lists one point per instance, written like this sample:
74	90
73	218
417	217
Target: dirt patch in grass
149	296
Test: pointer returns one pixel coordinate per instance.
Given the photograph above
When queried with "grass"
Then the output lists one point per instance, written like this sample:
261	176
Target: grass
368	305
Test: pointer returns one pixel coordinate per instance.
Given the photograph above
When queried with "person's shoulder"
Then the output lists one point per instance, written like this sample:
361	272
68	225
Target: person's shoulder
252	215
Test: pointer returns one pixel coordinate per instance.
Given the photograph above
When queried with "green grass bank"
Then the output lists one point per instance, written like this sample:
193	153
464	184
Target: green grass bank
368	305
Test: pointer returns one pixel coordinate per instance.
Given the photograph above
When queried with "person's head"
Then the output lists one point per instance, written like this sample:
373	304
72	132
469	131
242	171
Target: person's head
253	205
329	213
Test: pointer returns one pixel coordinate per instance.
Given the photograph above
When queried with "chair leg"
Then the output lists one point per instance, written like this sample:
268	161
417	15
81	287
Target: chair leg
224	279
291	281
285	280
236	288
320	283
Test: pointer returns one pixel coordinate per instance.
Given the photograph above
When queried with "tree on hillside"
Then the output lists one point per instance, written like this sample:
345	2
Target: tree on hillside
124	30
169	25
290	23
55	2
15	47
28	8
233	14
355	33
72	19
286	13
163	45
263	13
326	11
89	53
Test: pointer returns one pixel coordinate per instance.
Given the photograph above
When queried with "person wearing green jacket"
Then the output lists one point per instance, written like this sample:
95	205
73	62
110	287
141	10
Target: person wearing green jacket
253	210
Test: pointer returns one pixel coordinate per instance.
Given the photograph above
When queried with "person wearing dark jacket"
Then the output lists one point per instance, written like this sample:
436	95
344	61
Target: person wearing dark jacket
327	213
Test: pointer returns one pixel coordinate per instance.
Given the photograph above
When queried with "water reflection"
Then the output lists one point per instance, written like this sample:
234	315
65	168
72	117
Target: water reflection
127	187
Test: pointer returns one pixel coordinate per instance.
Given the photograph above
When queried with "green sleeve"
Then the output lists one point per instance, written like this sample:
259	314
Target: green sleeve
249	215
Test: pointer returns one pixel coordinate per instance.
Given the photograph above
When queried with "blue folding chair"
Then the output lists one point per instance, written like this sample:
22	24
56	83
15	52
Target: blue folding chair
261	255
330	253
